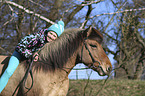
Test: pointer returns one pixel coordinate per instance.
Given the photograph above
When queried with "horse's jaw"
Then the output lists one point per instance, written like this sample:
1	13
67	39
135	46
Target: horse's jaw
103	70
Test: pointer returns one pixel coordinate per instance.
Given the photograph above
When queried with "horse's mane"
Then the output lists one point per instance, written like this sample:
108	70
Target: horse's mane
55	54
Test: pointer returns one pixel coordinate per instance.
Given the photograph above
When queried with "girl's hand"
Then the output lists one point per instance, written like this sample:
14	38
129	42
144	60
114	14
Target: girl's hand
36	56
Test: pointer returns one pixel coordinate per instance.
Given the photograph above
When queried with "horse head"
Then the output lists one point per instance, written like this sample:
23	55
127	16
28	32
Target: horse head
92	53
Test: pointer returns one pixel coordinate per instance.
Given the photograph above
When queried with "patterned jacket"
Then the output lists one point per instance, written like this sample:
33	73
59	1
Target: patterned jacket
31	43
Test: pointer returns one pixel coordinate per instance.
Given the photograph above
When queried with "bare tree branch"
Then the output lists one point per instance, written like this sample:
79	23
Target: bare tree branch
87	16
29	12
5	50
78	8
70	16
90	2
118	12
38	4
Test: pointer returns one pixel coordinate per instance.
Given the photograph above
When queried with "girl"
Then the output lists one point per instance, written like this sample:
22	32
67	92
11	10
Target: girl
28	46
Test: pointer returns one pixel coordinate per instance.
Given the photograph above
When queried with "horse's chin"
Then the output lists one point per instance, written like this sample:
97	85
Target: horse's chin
100	71
101	74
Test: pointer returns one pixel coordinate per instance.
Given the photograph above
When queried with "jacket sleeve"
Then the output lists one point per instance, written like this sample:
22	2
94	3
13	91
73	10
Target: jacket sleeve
31	43
24	47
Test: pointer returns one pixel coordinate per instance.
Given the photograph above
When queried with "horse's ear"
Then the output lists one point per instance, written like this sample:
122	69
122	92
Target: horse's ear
86	32
94	34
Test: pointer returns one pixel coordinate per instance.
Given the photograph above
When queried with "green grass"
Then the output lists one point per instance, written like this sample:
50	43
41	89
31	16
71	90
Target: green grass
111	88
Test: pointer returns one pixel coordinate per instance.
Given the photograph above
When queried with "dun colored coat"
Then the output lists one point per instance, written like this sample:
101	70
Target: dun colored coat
56	60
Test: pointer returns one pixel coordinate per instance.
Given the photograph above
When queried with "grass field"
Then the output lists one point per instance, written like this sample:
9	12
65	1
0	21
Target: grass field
111	88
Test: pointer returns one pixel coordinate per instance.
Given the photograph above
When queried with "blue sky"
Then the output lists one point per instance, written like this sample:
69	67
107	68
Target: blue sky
103	7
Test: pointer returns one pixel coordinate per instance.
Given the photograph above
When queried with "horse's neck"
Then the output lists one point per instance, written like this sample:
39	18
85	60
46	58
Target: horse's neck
70	63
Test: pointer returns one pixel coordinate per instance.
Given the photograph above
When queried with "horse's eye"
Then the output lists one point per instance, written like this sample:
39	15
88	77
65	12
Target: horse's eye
94	46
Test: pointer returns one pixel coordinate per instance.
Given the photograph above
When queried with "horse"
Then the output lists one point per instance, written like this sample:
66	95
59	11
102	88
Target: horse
56	60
